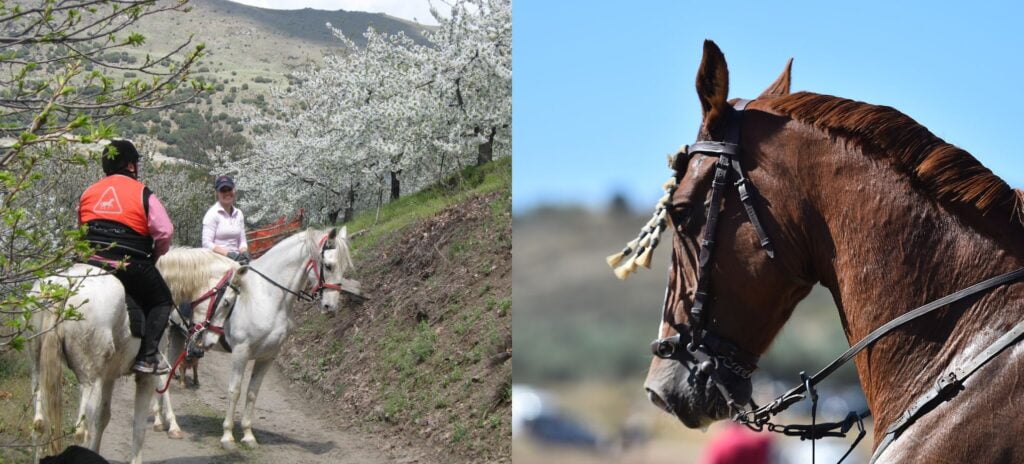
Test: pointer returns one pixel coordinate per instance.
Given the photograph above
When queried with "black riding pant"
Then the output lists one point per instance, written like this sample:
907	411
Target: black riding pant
144	284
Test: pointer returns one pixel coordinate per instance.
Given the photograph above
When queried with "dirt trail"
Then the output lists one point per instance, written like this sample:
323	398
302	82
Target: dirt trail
288	428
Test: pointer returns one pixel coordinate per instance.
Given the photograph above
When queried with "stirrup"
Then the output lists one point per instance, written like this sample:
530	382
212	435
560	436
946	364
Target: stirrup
151	367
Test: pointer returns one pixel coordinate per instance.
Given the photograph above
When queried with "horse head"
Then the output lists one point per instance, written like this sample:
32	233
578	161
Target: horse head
749	293
335	260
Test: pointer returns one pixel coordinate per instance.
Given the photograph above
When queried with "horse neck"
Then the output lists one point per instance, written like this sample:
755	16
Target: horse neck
883	247
285	264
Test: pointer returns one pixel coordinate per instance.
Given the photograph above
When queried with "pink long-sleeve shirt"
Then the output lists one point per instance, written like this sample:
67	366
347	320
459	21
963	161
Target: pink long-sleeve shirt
223	229
160	226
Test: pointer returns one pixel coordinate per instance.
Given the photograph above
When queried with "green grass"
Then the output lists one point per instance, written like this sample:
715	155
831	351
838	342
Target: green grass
405	211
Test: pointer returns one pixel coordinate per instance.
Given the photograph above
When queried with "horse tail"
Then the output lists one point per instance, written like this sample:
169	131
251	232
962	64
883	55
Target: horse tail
49	421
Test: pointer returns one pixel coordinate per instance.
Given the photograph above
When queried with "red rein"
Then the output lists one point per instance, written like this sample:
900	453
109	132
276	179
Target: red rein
209	295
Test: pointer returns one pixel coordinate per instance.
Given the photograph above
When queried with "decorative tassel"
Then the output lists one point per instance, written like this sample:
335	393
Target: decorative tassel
622	272
615	259
645	243
645	258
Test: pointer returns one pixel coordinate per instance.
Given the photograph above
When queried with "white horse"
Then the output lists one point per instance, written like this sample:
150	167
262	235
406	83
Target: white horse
255	319
98	348
189	273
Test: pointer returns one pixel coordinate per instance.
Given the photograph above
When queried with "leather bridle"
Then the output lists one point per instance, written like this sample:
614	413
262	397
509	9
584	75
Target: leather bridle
315	266
312	265
713	348
195	331
714	355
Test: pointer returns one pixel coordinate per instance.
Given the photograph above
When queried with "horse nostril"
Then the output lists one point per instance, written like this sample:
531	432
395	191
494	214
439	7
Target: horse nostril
658	401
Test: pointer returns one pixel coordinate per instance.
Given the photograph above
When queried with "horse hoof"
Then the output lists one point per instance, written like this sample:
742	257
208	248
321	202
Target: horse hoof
228	445
175	434
158	427
250	442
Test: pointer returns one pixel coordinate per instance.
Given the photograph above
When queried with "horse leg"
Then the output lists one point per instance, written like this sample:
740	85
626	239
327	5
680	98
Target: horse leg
81	431
164	403
100	398
239	359
195	373
259	369
144	386
93	397
158	409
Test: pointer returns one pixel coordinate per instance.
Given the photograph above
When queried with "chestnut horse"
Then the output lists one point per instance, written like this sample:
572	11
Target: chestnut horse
887	216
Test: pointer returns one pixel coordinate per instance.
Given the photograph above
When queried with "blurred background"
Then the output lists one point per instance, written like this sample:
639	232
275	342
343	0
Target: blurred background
601	95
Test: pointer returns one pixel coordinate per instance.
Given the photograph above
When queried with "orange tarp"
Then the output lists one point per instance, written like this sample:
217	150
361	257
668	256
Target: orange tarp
260	240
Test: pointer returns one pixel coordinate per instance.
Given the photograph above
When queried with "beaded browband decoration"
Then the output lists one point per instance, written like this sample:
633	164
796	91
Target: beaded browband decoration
640	251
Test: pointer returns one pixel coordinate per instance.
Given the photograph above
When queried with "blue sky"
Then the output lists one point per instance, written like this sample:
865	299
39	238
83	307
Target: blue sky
601	93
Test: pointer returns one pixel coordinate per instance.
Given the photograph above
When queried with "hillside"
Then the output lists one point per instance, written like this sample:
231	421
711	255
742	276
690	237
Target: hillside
249	52
426	360
571	307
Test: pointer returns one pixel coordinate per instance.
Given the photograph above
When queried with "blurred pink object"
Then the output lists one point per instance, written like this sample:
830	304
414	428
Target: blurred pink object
738	445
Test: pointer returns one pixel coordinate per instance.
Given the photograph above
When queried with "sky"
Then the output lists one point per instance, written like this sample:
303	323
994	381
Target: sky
416	10
601	94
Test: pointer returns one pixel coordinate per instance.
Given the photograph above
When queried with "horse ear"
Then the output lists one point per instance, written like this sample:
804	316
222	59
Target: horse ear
344	232
236	280
713	89
332	234
781	85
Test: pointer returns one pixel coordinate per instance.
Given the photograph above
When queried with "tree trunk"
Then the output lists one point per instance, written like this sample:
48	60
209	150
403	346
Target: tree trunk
351	207
485	151
395	184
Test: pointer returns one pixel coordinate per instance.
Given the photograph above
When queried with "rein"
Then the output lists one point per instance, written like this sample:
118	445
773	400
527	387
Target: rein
711	352
193	333
311	265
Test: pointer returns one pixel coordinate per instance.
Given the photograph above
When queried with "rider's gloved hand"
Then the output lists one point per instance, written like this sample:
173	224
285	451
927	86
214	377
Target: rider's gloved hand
233	255
244	258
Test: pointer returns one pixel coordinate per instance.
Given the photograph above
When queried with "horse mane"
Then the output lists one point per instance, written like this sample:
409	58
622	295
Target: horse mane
946	171
188	271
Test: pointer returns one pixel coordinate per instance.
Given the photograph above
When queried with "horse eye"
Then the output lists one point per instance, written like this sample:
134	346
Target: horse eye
680	214
329	267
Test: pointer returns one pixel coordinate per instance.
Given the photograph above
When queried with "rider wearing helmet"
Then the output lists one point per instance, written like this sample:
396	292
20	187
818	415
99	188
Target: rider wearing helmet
126	222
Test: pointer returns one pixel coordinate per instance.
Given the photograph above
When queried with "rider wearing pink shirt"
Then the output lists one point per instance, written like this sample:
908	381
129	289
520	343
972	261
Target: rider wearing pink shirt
129	229
224	224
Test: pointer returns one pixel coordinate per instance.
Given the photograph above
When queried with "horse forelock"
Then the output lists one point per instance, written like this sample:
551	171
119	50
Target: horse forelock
189	271
946	172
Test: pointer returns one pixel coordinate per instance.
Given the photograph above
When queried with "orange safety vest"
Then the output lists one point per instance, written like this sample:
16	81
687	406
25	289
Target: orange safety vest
115	198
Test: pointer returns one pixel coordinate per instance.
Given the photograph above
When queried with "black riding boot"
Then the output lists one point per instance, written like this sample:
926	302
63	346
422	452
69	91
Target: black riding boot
149	360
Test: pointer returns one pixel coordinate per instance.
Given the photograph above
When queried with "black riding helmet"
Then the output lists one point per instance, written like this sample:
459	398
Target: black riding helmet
117	155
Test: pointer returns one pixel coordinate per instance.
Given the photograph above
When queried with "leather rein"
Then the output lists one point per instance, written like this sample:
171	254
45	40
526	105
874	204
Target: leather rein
711	352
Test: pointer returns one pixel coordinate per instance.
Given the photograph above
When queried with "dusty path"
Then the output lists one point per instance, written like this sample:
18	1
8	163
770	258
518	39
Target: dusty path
288	428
